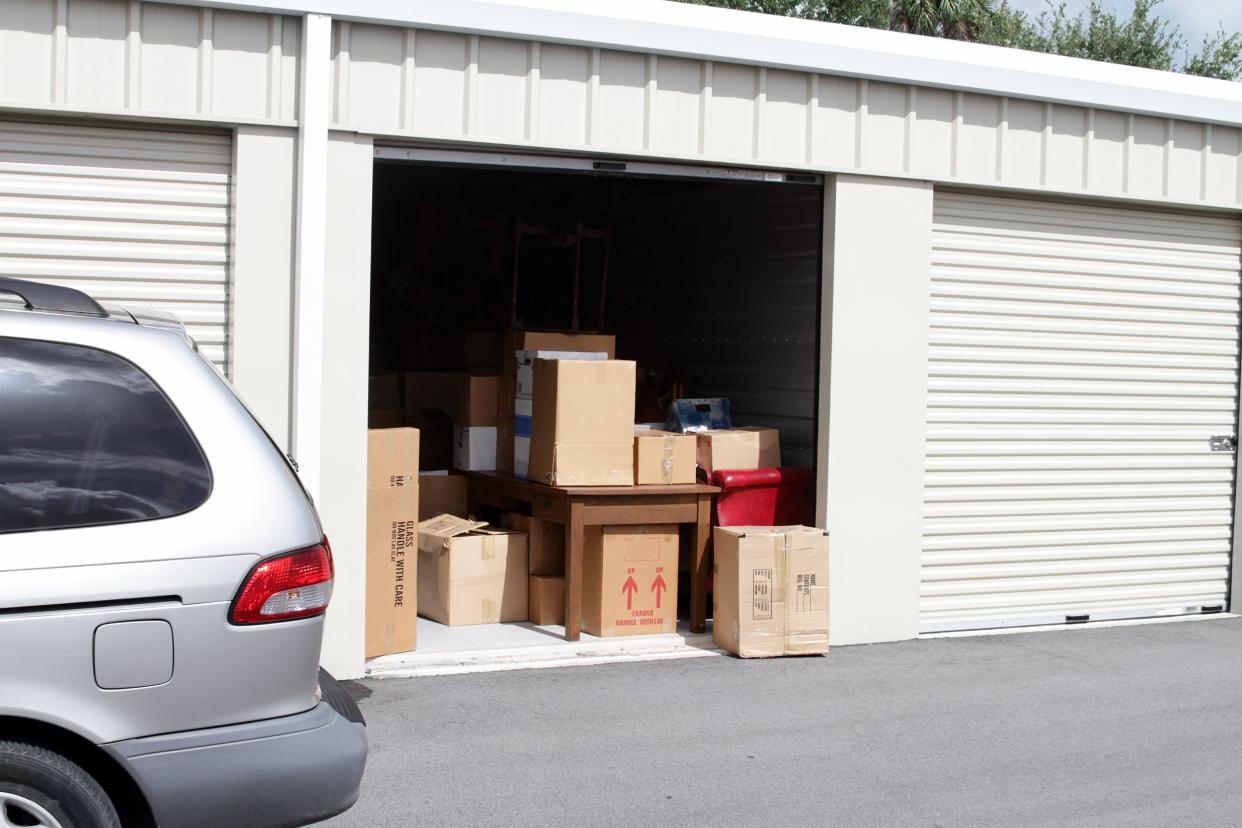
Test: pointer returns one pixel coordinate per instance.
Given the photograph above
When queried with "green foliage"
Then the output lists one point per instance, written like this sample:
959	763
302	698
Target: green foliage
1141	39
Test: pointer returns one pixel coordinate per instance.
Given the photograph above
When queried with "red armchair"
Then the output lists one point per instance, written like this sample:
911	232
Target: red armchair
764	497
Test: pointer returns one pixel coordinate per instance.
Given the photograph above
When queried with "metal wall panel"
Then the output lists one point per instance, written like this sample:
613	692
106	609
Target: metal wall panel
444	85
131	216
130	57
1081	359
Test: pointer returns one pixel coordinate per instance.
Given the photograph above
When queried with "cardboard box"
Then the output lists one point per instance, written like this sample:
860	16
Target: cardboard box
750	447
546	599
441	493
629	580
582	429
384	391
469	574
532	341
458	349
469	400
545	543
474	448
392	536
662	457
435	442
770	590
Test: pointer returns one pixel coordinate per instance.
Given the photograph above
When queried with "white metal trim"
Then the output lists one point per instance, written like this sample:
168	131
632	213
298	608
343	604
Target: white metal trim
312	224
1009	623
684	30
568	163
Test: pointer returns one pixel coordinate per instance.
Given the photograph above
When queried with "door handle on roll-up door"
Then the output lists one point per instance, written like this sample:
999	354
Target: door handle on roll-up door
1222	442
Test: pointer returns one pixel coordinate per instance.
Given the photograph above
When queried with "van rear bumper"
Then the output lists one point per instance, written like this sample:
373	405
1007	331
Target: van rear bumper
275	773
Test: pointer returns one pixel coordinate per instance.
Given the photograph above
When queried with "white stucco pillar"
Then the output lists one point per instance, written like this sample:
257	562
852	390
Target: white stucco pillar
876	294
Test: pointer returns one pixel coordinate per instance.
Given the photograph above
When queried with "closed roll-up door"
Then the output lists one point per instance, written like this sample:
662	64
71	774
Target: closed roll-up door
1081	412
132	216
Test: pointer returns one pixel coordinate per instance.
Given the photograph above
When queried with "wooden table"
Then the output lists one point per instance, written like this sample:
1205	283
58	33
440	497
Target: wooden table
578	507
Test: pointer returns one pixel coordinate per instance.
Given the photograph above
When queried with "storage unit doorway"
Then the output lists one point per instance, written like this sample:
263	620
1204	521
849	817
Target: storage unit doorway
1082	412
709	278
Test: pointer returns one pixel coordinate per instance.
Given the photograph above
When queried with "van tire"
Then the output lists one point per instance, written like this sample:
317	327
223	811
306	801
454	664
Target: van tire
57	785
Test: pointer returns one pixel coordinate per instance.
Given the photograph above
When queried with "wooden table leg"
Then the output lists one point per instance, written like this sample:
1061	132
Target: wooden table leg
698	568
575	538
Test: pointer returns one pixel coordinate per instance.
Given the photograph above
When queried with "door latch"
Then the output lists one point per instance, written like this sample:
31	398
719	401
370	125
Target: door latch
1223	442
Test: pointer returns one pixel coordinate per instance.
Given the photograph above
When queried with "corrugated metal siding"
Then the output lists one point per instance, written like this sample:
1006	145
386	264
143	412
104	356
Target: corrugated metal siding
131	216
444	85
1081	359
130	57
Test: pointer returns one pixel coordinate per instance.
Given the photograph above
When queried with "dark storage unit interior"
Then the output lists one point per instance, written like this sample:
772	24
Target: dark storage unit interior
712	286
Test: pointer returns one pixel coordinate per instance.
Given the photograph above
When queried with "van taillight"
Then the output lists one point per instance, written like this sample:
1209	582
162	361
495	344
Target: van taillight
293	585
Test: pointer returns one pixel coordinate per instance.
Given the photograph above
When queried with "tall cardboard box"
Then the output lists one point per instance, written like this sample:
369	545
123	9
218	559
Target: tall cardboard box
468	574
629	580
749	447
441	493
469	400
515	341
545	543
663	458
770	590
392	538
582	428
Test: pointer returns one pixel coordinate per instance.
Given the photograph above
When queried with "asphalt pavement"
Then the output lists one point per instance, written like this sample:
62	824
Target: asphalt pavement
1133	726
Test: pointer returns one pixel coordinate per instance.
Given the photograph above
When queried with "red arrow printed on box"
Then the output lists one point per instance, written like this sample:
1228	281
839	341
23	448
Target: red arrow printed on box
659	587
629	588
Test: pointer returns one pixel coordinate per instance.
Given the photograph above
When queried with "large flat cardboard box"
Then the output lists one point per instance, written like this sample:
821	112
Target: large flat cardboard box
770	590
545	543
749	447
470	574
469	400
474	448
582	426
392	538
663	458
547	599
515	341
629	580
441	493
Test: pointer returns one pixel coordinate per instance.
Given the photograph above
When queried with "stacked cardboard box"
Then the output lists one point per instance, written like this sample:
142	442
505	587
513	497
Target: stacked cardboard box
582	429
749	447
545	545
469	402
392	560
515	341
661	457
770	590
629	580
523	406
469	574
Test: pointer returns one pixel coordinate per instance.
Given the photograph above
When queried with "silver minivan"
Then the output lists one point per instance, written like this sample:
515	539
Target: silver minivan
163	583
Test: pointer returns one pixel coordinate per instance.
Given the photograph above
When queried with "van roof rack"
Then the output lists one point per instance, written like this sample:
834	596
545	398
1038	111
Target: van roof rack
45	297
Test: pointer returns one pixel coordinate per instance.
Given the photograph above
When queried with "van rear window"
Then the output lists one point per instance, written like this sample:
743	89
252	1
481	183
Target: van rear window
86	439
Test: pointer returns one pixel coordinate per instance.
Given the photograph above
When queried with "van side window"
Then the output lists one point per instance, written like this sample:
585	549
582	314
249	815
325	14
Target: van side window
86	438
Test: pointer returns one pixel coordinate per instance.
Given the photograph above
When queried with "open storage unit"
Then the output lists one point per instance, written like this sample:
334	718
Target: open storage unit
709	278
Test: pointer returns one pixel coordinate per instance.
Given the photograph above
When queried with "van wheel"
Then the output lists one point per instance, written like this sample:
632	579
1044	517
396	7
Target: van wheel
44	789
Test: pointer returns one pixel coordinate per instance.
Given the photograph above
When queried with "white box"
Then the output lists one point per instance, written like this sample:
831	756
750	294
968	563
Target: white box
474	448
526	359
521	456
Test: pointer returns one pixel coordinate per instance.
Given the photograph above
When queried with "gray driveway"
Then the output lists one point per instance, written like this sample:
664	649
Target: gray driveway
1133	725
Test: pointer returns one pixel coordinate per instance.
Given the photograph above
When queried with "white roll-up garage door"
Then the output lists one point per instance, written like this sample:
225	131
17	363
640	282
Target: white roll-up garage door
1082	411
132	216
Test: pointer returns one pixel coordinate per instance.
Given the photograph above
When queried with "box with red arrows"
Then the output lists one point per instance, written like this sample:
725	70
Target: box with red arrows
629	580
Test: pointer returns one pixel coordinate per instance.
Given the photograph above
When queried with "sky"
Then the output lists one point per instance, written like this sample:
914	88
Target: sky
1196	18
